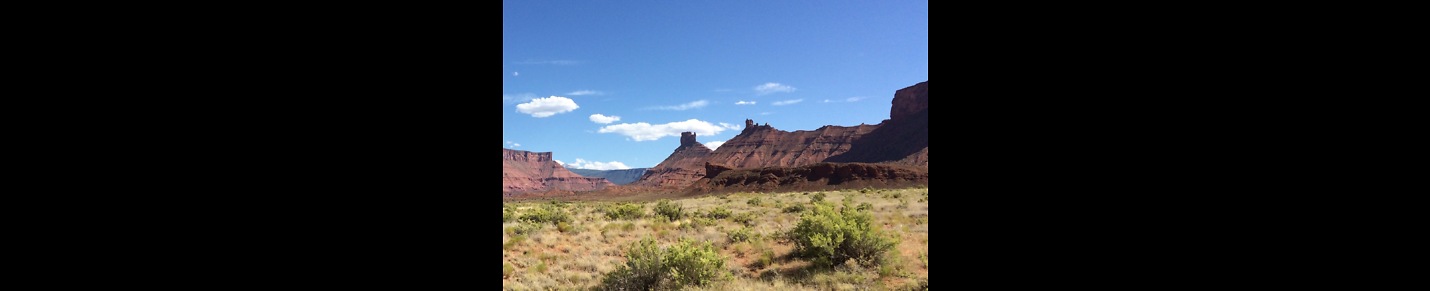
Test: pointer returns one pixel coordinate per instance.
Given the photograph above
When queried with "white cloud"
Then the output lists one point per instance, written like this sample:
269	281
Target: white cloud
691	105
593	165
827	101
559	162
602	119
852	99
714	144
585	92
766	113
786	102
545	107
512	144
642	131
745	103
730	126
516	73
768	88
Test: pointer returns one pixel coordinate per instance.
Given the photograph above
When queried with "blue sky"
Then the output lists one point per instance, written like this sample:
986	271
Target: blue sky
664	67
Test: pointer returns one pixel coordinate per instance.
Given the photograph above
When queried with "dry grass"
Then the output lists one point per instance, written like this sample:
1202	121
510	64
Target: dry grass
548	259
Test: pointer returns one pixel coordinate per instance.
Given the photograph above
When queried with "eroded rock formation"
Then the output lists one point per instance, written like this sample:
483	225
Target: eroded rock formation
524	171
902	139
682	167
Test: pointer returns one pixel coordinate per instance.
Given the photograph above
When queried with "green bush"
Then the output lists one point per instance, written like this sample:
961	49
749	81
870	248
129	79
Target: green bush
747	218
755	201
794	208
650	268
549	213
828	237
718	213
669	210
506	269
866	206
563	227
818	197
740	235
523	229
625	211
507	214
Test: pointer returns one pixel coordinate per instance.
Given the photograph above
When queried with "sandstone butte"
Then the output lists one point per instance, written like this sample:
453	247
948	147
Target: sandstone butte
900	141
683	166
524	171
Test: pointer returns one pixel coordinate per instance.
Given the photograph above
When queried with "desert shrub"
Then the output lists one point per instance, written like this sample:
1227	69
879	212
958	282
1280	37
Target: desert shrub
563	227
828	237
747	218
755	201
718	213
625	211
523	229
648	267
669	210
794	208
507	214
513	241
506	269
865	206
903	204
818	197
698	222
866	190
848	200
541	267
739	235
549	213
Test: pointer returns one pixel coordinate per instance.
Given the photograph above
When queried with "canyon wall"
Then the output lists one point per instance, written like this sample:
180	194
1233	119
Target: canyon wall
524	171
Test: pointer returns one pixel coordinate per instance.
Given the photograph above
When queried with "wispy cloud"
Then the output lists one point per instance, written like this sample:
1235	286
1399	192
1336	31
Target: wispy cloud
691	105
514	98
745	102
714	144
850	99
642	131
550	62
516	73
786	102
768	88
602	119
730	126
766	113
512	144
594	165
546	107
585	92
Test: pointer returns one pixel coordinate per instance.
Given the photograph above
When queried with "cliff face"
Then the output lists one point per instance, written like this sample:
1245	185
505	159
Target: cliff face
682	167
903	139
524	171
618	177
764	146
900	140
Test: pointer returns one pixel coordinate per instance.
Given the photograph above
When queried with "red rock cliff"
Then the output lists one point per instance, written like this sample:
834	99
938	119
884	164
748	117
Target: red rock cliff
524	171
682	167
902	139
